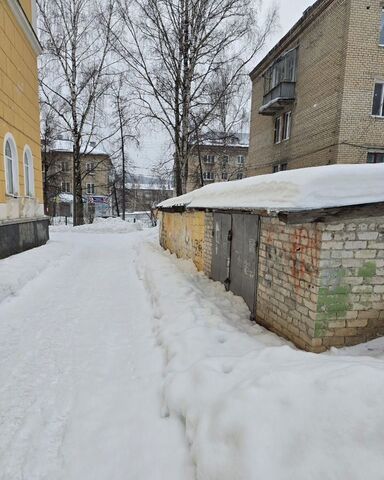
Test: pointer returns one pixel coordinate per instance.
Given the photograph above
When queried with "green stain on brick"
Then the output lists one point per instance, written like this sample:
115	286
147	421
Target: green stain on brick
332	300
368	270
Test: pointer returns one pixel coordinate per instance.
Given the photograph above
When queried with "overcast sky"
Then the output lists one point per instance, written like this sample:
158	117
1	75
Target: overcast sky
153	145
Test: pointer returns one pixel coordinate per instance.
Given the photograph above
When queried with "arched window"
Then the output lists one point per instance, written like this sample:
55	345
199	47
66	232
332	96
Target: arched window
11	165
29	180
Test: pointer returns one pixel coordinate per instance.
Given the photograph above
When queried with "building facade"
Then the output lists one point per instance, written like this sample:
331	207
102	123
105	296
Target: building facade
218	158
22	221
318	96
96	166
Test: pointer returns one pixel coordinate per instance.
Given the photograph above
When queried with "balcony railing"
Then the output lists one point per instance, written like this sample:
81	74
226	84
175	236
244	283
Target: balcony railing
274	101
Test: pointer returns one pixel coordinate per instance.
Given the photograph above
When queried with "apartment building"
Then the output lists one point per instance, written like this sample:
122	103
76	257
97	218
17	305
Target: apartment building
318	96
22	221
218	157
96	166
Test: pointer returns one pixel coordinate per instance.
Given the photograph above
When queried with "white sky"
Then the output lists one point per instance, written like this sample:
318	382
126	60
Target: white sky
154	145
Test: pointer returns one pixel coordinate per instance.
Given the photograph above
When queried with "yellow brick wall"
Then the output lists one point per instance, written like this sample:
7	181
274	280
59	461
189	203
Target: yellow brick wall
183	234
19	106
316	112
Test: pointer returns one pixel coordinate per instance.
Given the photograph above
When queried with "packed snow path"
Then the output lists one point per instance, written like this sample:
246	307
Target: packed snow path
120	362
81	373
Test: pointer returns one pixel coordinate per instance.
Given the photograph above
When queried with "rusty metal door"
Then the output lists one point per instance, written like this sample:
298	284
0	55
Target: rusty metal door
244	257
221	248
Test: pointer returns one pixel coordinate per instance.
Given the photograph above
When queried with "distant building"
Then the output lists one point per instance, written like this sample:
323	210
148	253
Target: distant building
58	178
218	157
22	221
143	193
318	96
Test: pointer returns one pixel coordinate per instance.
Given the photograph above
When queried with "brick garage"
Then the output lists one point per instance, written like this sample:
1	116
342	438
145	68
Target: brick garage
320	275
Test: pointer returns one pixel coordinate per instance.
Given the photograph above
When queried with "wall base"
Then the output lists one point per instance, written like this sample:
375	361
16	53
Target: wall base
18	236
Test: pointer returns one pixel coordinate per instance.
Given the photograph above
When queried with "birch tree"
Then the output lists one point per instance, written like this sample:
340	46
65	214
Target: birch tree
76	37
174	48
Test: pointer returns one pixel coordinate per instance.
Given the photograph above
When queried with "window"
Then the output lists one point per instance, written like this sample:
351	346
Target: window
65	187
209	159
29	180
284	70
224	176
208	175
90	188
287	125
11	166
239	176
64	166
378	100
281	167
375	157
240	159
90	167
277	135
225	159
382	28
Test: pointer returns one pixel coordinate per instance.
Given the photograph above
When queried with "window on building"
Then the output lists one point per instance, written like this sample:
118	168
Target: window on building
382	28
240	159
65	166
239	176
225	159
28	173
91	167
375	157
208	175
209	159
11	166
224	176
90	188
277	135
286	119
378	100
65	187
283	70
281	167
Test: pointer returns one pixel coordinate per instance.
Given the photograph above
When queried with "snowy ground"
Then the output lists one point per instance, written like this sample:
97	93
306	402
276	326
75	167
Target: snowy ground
120	362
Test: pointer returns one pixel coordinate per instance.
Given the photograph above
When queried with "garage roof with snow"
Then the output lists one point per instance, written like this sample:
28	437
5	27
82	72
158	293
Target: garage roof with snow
292	190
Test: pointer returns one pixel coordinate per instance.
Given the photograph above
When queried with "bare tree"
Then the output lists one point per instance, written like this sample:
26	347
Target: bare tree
52	176
175	48
76	36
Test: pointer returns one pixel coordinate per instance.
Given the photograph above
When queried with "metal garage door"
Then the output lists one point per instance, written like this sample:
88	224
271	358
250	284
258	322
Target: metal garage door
244	255
221	250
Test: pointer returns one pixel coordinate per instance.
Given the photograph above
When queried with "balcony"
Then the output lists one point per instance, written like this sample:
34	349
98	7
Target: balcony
276	99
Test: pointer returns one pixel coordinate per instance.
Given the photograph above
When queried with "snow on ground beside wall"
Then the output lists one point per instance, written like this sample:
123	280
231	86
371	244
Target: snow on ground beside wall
121	362
254	406
101	225
300	189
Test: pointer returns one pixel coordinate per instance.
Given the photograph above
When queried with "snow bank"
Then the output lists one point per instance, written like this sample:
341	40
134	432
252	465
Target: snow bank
253	406
17	270
302	189
101	225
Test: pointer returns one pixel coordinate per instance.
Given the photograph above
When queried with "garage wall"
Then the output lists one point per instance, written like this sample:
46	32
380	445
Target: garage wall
184	234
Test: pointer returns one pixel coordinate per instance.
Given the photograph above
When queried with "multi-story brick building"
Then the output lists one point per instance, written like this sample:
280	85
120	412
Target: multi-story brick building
318	96
217	158
22	222
96	169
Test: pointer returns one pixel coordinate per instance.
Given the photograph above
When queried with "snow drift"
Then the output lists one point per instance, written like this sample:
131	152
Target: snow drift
301	189
101	225
253	406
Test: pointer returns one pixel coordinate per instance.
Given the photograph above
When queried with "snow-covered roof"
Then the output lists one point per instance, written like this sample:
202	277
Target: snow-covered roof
66	145
292	190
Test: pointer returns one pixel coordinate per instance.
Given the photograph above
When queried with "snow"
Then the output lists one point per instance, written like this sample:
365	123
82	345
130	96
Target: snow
292	190
101	225
120	361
